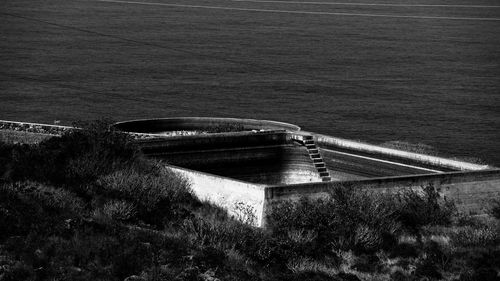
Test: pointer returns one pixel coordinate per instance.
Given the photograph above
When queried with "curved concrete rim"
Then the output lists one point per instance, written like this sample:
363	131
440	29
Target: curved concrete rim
244	121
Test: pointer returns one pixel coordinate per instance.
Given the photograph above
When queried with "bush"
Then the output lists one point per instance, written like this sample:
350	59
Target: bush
76	158
427	268
223	233
157	196
48	197
27	206
16	272
347	219
495	208
415	209
5	160
115	210
214	228
468	236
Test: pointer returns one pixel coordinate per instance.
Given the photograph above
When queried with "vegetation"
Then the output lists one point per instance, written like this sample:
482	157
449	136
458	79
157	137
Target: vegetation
10	136
89	206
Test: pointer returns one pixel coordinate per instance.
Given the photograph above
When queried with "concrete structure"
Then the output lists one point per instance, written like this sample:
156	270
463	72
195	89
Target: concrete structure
248	166
280	162
255	151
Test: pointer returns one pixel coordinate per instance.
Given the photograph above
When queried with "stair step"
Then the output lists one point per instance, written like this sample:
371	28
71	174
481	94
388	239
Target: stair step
322	170
307	137
310	146
308	141
319	165
326	179
315	155
313	151
324	174
317	160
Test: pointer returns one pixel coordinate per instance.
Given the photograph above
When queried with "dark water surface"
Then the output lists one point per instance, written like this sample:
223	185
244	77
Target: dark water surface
424	80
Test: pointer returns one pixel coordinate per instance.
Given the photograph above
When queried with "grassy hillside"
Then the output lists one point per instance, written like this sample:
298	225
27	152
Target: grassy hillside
89	206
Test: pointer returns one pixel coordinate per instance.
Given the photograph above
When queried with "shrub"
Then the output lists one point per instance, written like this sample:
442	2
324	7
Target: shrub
32	207
77	157
469	236
48	197
19	271
156	196
415	209
5	160
117	210
245	213
426	268
347	219
495	208
299	265
222	233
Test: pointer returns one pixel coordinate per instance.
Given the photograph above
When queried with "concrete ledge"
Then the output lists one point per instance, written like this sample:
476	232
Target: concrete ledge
213	141
198	123
277	191
328	141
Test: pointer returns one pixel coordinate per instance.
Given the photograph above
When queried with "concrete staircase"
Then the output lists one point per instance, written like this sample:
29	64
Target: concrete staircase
312	149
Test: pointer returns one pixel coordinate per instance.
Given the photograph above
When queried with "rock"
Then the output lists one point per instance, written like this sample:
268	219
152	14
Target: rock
348	277
209	275
134	278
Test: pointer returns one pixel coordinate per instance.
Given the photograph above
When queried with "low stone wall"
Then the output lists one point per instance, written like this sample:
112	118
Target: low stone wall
243	200
35	128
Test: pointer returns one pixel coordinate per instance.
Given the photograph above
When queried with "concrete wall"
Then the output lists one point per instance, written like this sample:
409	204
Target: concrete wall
268	157
239	198
346	165
400	156
213	141
281	164
198	123
471	191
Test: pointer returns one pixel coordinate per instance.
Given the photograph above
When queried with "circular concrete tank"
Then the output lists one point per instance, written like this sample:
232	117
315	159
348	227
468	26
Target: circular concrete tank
210	124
